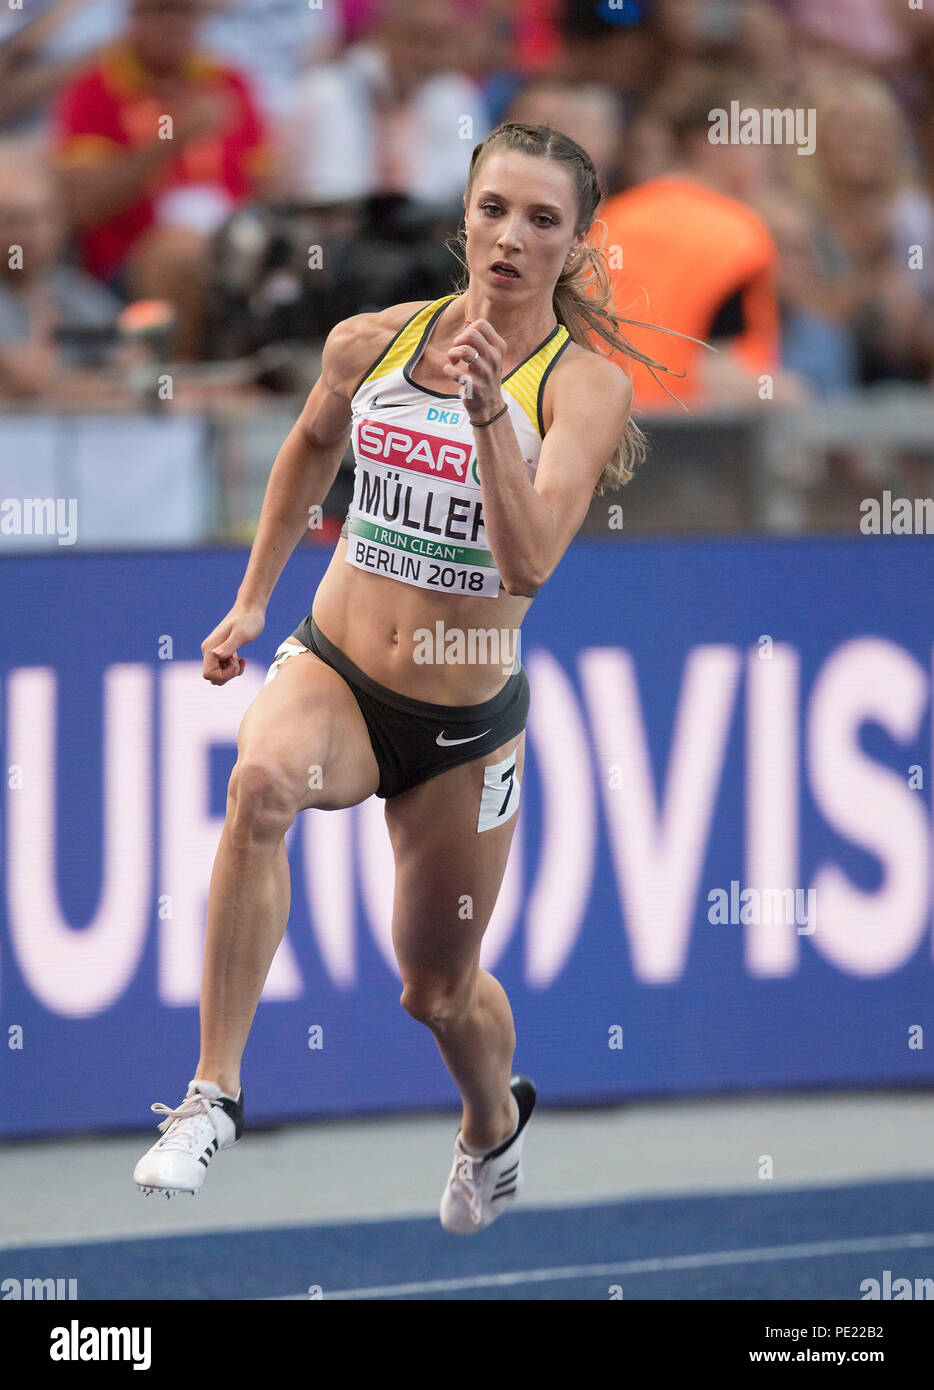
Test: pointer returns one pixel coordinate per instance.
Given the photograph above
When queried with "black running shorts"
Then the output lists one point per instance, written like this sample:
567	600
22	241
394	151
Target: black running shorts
412	739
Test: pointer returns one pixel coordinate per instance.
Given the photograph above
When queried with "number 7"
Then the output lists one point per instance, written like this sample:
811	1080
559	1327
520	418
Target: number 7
507	777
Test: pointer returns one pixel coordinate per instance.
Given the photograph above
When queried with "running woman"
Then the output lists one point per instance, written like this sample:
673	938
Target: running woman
482	423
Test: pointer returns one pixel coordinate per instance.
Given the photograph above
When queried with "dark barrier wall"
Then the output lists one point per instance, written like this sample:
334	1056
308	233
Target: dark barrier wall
720	878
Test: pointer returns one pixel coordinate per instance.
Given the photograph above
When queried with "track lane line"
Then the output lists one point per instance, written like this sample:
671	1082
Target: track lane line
917	1240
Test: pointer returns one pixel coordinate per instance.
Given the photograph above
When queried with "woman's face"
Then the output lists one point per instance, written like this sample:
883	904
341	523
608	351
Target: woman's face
522	210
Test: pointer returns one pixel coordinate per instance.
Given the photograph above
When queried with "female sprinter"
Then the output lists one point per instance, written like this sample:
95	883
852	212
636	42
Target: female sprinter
461	520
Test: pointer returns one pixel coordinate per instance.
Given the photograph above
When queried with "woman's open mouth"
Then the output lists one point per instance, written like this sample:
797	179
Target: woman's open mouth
504	271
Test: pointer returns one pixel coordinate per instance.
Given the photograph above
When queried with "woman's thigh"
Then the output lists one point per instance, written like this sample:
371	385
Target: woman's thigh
451	837
305	728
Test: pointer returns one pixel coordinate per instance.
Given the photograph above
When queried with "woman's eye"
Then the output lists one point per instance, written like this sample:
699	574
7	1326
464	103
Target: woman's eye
539	217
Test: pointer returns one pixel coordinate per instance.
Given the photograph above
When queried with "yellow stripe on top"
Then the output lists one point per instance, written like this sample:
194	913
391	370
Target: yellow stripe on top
524	383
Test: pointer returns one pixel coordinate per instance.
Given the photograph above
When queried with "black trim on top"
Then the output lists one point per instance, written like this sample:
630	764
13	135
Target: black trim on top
393	340
456	396
541	385
419	349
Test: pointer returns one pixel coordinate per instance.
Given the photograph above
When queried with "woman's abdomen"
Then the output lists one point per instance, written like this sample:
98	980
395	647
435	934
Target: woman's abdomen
443	648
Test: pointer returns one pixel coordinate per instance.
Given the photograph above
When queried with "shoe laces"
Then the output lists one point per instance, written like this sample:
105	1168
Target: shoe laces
464	1171
195	1106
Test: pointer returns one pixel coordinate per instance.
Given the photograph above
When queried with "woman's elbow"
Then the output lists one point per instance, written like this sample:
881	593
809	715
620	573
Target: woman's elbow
524	585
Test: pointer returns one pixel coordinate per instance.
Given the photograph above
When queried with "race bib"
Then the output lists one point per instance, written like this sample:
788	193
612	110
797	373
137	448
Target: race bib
500	798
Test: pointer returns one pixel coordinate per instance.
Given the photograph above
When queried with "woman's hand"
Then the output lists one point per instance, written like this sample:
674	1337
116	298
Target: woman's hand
221	662
476	361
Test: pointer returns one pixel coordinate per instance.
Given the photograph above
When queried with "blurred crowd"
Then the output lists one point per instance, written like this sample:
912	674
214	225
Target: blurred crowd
225	178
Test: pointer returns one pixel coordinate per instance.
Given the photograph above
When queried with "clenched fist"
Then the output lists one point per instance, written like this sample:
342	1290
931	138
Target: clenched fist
221	662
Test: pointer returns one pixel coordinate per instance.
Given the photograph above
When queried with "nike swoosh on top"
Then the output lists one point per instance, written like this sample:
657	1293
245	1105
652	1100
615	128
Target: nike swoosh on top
447	742
387	405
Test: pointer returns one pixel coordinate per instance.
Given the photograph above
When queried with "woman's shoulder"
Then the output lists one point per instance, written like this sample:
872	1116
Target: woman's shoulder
583	371
354	344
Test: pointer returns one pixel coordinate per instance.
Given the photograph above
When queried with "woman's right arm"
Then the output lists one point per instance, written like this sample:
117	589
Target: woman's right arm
301	478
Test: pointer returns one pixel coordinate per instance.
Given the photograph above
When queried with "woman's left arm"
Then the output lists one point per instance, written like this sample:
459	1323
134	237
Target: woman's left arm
528	526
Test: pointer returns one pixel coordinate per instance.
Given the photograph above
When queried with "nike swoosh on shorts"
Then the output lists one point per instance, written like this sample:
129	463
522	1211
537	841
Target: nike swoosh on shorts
447	742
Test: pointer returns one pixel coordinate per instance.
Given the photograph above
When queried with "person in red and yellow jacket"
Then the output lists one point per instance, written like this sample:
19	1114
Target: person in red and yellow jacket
157	143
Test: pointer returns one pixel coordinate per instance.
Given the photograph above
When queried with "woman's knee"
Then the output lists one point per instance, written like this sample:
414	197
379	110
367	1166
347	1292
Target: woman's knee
436	1000
262	798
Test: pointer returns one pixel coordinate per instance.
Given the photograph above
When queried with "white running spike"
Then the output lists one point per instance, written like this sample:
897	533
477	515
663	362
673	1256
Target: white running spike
190	1134
479	1190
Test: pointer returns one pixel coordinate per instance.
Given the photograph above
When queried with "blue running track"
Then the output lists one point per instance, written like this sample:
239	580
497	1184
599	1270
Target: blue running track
817	1243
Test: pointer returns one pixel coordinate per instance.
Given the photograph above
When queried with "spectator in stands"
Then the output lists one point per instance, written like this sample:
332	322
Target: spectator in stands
590	113
766	48
274	42
41	297
871	211
693	39
871	33
361	18
617	47
751	35
145	206
43	46
917	90
515	39
518	40
539	45
815	344
484	35
396	114
688	253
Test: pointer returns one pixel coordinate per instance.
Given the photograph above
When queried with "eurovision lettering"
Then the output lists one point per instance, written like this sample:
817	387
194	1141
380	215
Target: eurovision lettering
716	729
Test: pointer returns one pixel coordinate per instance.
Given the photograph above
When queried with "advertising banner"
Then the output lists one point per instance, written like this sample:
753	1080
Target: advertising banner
720	877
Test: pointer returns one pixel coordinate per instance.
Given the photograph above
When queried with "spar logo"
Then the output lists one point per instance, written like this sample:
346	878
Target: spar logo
408	448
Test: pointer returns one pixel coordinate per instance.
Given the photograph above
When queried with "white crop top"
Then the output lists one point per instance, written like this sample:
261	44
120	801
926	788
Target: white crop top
416	512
